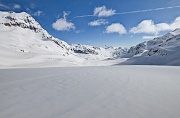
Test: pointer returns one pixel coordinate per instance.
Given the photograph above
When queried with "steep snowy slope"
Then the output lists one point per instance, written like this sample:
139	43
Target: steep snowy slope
163	50
25	21
24	42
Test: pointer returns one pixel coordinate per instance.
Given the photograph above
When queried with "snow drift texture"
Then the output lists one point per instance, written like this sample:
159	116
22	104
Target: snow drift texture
90	92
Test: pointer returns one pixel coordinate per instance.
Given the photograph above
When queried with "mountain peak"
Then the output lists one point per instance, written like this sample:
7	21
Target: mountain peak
22	19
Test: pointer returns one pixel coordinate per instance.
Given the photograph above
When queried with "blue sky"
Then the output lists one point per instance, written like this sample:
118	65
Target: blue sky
101	22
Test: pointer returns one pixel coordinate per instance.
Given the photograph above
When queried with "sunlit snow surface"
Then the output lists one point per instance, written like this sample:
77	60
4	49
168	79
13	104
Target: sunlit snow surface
90	92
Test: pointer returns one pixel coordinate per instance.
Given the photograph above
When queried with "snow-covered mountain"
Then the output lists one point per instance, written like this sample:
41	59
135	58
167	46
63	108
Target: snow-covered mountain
25	21
23	41
164	50
106	51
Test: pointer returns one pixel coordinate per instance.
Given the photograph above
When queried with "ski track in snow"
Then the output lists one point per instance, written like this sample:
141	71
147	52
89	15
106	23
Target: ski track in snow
90	92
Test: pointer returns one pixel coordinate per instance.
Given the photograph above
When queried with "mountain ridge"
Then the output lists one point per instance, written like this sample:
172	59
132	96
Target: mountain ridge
22	35
162	50
24	42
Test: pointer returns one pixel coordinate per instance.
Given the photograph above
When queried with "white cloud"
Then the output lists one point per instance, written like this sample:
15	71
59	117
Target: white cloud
62	24
116	28
98	22
103	12
148	27
4	6
149	37
38	13
17	6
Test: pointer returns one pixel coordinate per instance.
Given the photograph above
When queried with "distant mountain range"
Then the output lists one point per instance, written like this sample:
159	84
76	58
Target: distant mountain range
164	50
23	42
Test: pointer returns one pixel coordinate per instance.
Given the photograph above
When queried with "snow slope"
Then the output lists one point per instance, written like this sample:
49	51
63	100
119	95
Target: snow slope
91	92
24	43
163	50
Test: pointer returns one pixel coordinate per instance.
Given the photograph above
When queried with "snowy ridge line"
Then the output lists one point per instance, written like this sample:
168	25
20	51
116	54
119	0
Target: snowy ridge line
24	43
162	50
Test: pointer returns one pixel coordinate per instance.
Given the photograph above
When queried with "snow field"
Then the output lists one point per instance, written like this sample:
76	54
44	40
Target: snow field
90	92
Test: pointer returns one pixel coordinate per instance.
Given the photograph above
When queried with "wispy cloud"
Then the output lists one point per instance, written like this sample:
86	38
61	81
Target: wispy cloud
116	28
84	16
65	14
12	7
4	6
17	6
98	22
129	12
147	10
62	24
27	9
38	13
148	27
79	31
173	3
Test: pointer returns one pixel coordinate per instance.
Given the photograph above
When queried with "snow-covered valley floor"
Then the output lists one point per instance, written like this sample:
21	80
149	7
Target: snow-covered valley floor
91	92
